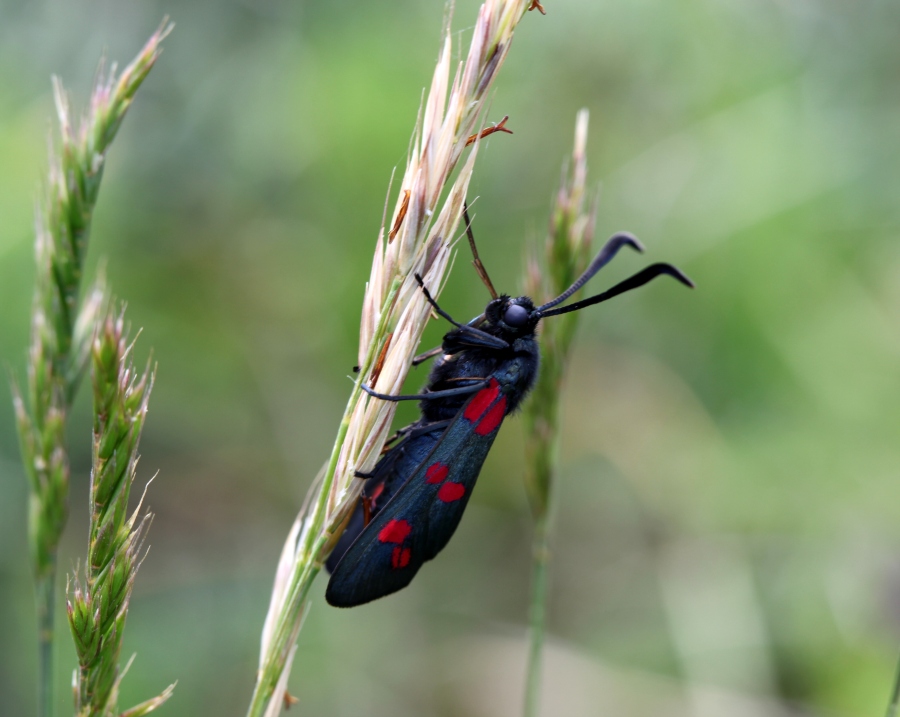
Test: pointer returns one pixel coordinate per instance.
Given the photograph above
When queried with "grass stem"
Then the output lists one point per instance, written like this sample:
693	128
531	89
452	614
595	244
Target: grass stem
567	252
894	705
537	613
45	598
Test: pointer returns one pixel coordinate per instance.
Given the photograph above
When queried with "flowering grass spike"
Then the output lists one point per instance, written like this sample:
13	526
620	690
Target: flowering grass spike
98	601
62	323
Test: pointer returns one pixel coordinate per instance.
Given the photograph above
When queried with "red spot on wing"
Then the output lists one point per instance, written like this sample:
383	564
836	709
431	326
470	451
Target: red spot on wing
451	491
492	418
400	557
436	472
395	531
481	400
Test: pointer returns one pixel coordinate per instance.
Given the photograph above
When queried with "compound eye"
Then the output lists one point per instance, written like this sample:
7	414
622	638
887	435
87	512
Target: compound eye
515	316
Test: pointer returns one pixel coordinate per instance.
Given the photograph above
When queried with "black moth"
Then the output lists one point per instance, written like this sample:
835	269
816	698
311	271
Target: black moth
415	496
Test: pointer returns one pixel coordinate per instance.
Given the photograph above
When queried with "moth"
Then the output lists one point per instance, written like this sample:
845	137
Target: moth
415	496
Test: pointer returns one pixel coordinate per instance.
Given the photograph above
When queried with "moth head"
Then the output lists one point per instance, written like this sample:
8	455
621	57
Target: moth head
514	316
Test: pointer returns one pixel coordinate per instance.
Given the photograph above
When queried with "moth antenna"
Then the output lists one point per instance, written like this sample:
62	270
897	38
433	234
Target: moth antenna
609	250
632	282
476	260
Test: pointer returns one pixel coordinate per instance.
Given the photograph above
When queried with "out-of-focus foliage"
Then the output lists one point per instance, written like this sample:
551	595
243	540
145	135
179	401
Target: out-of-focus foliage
727	535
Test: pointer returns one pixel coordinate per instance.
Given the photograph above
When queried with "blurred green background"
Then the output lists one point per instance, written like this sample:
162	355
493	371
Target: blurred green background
727	539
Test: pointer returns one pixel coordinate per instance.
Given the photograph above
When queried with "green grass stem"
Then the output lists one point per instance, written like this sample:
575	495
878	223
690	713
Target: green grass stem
893	708
567	252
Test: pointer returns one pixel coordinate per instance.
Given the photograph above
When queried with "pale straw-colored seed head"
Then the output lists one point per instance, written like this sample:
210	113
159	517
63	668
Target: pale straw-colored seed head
417	238
394	304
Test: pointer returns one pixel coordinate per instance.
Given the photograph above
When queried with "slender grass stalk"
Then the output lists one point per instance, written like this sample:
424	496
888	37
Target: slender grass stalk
98	600
894	705
62	324
567	253
393	318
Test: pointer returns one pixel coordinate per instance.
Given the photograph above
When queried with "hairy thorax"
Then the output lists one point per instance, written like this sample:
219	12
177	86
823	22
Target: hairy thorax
514	368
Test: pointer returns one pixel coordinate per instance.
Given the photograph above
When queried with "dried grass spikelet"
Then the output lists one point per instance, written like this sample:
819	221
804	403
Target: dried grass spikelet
394	315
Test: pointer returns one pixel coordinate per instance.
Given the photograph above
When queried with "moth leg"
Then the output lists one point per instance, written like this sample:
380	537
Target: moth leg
369	504
484	338
434	304
431	394
420	430
477	337
415	429
383	467
459	340
386	465
423	357
399	433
